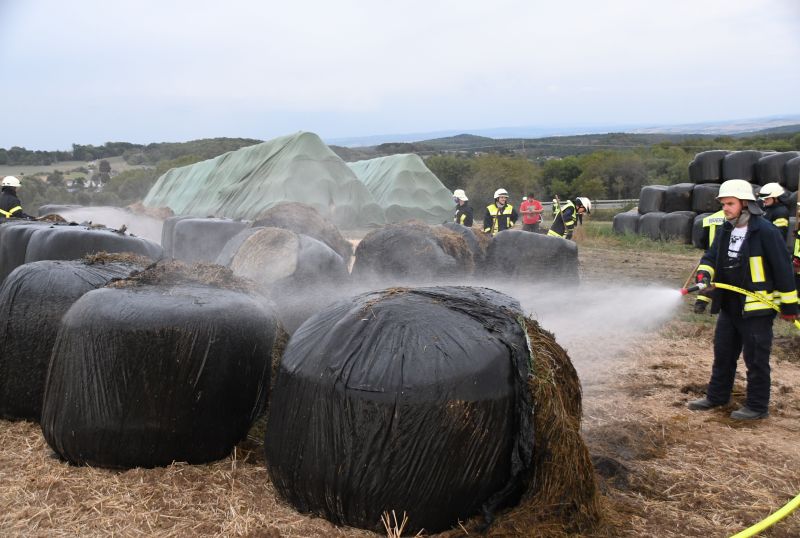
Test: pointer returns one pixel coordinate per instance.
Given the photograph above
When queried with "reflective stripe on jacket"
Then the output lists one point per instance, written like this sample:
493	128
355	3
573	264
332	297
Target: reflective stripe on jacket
496	219
713	222
564	220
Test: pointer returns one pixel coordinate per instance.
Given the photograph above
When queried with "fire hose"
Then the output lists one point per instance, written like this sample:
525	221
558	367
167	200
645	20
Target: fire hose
792	505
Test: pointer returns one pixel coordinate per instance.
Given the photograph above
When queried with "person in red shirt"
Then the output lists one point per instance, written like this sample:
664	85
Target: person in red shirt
531	211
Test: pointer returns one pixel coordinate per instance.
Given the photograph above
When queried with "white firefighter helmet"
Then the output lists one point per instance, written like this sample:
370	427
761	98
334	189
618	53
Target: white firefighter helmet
771	190
736	188
460	194
585	202
500	192
10	181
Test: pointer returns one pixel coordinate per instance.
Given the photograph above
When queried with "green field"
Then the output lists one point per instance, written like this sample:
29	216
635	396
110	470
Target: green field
118	164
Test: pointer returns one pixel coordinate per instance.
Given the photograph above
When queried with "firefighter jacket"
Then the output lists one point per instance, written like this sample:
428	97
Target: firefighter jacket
564	220
464	215
778	214
711	224
10	206
764	269
498	219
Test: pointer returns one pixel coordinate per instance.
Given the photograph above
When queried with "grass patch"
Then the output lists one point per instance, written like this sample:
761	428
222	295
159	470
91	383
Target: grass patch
600	234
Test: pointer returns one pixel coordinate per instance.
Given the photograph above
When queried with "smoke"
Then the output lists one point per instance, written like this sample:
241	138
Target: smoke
115	217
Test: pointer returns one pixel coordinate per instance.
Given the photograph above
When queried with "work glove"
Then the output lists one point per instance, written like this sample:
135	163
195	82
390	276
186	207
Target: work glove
699	307
703	277
796	264
789	317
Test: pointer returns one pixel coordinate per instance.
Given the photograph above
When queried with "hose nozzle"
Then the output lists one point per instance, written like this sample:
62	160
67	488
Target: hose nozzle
697	287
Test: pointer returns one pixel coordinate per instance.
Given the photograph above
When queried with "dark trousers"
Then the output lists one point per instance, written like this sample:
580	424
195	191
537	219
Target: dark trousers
531	227
753	338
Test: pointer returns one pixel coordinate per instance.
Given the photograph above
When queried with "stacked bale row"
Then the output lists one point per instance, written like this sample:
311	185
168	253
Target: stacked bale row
677	211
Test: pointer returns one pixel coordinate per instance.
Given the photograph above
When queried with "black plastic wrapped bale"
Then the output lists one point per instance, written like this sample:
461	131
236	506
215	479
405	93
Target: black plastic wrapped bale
772	168
304	219
168	235
626	223
528	257
741	165
33	299
299	273
706	167
650	225
678	197
14	238
678	226
144	376
411	400
65	242
791	233
791	203
651	199
704	198
699	233
201	240
412	252
791	171
474	244
55	209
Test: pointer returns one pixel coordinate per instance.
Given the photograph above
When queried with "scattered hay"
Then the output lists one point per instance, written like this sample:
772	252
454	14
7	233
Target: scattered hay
103	257
160	213
174	272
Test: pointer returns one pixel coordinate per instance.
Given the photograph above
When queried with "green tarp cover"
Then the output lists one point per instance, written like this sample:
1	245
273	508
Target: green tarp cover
406	189
244	183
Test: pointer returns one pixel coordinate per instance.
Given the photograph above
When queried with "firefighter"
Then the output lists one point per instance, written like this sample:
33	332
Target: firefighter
711	224
10	206
566	214
750	253
775	210
464	213
500	215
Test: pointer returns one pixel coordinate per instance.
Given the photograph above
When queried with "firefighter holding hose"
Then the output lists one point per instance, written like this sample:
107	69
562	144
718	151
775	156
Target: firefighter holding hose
749	253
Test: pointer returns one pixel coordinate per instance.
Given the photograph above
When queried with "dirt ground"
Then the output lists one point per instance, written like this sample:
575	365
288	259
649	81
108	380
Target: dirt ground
663	470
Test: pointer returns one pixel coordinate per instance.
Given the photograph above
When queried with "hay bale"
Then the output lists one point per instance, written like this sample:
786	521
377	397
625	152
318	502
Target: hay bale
199	240
791	171
64	242
300	273
650	225
704	198
771	168
791	203
678	197
33	299
699	233
528	257
14	238
651	198
55	209
363	382
706	167
473	240
626	223
162	367
304	219
678	226
412	252
791	233
741	165
168	235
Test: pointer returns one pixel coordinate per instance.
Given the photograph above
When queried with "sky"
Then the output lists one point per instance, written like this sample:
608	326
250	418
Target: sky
144	71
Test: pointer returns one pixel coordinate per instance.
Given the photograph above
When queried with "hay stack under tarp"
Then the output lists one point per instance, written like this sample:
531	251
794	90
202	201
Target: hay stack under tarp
405	188
32	300
422	401
413	252
242	184
304	219
164	366
300	273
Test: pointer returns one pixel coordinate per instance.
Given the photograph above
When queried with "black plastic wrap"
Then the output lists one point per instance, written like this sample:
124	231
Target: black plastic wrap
741	165
651	199
144	376
14	238
529	258
706	167
791	203
410	400
791	233
168	235
678	197
304	219
469	236
201	240
678	226
704	198
791	171
32	300
65	242
408	253
699	233
626	223
231	248
650	225
771	168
